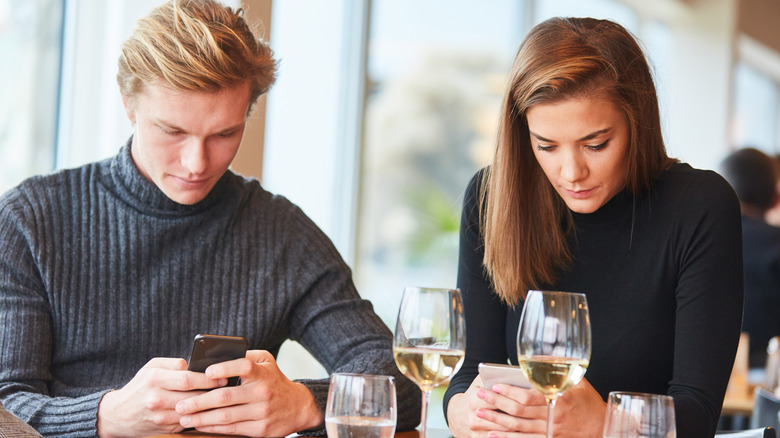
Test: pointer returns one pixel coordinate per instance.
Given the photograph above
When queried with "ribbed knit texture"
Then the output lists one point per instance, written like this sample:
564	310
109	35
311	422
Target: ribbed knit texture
100	272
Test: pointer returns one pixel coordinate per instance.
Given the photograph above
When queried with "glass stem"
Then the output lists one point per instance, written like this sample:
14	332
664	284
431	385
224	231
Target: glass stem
426	397
550	409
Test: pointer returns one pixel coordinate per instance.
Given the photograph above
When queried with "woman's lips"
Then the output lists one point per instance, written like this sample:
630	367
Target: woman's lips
580	194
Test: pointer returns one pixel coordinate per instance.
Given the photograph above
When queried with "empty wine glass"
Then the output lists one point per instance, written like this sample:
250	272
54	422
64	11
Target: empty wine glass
360	405
430	339
638	415
553	343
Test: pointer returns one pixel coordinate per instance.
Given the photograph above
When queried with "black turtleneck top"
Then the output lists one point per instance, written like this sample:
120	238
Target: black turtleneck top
663	277
101	272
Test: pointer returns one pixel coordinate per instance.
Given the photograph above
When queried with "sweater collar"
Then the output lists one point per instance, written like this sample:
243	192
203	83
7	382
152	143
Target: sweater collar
145	196
620	205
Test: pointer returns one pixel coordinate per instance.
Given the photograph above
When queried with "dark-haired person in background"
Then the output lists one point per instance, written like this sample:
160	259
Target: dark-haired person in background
752	174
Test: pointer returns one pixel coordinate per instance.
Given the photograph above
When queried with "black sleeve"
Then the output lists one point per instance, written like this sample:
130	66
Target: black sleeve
709	305
484	312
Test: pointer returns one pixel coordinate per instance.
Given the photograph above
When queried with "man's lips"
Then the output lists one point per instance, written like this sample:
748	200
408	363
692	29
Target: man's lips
190	182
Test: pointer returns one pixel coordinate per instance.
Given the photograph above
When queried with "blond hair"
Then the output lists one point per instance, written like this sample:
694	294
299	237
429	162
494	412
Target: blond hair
197	45
525	223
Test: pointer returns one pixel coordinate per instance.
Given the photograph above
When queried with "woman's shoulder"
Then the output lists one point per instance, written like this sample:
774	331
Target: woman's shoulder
696	188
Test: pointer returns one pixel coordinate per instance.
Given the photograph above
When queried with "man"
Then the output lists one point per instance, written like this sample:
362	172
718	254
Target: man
108	271
752	175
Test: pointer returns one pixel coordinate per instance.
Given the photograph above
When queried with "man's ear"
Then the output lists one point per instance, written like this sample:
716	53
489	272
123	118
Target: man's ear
129	108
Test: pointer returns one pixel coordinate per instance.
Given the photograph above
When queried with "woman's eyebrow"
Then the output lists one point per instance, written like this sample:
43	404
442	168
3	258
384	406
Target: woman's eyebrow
587	137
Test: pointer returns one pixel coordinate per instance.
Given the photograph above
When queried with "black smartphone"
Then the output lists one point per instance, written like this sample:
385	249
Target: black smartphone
210	349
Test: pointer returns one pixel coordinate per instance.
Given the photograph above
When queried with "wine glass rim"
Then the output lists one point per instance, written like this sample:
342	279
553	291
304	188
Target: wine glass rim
366	376
640	394
556	292
432	289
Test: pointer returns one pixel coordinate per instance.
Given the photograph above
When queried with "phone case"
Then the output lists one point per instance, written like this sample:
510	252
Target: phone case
493	373
210	349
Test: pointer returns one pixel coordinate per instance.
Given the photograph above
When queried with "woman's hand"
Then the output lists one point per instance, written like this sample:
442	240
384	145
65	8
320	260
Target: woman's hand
507	411
504	410
580	412
265	404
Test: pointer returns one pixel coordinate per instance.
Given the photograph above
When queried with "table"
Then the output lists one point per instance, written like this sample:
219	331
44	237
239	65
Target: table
432	433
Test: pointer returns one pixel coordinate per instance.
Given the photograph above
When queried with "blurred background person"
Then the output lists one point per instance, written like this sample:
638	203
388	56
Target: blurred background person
753	176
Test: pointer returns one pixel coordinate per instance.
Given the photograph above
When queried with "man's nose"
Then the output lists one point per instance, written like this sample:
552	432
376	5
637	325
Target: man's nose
194	156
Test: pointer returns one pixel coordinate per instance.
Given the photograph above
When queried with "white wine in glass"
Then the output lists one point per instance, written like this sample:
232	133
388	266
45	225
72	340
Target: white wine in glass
430	339
553	343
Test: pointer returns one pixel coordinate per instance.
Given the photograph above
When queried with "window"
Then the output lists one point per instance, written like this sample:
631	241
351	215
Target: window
435	82
756	112
30	47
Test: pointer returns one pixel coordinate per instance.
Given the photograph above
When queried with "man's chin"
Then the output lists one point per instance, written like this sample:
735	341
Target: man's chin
186	198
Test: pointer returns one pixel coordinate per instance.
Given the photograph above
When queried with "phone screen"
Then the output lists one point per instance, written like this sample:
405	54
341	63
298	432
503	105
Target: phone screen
210	349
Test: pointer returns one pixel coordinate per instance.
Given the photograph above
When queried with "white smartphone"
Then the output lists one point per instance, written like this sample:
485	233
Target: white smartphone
493	373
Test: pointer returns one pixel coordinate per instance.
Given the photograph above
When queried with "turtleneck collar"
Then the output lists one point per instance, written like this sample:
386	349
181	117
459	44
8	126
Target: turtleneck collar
619	206
146	197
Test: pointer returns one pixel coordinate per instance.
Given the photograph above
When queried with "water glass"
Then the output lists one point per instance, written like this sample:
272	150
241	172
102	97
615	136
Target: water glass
639	415
360	406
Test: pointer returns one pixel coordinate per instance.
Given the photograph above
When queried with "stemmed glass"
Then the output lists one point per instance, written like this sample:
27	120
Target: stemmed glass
634	414
430	339
553	343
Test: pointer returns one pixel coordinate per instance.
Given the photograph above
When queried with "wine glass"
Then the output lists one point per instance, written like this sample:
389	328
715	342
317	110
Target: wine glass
430	339
633	414
553	343
361	405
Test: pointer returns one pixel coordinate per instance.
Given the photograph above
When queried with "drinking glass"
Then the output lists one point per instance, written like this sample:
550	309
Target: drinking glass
360	406
430	339
638	415
553	343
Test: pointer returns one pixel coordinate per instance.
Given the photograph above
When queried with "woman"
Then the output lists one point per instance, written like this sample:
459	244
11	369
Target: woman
582	197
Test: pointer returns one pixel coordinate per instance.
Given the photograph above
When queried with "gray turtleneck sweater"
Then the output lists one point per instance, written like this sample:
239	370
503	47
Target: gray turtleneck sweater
100	272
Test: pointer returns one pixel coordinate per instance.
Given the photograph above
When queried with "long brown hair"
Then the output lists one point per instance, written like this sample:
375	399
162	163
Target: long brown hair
524	222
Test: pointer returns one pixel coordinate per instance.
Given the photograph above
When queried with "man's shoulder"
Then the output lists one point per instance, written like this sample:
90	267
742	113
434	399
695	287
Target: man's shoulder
56	184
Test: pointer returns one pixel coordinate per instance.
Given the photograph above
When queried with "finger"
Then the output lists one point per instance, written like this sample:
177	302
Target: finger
526	396
229	415
260	356
512	423
512	406
501	434
169	363
217	398
182	380
232	368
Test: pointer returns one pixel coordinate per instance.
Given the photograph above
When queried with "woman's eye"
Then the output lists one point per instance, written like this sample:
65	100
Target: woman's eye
598	147
544	148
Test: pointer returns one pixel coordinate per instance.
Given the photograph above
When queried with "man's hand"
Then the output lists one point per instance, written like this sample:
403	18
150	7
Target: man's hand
145	406
265	404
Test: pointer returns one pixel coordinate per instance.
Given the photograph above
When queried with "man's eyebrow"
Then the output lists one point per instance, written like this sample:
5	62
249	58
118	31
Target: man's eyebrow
587	137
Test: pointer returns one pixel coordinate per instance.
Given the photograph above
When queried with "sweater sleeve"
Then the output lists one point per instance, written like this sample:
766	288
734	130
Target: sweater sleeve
484	313
709	304
339	328
26	337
